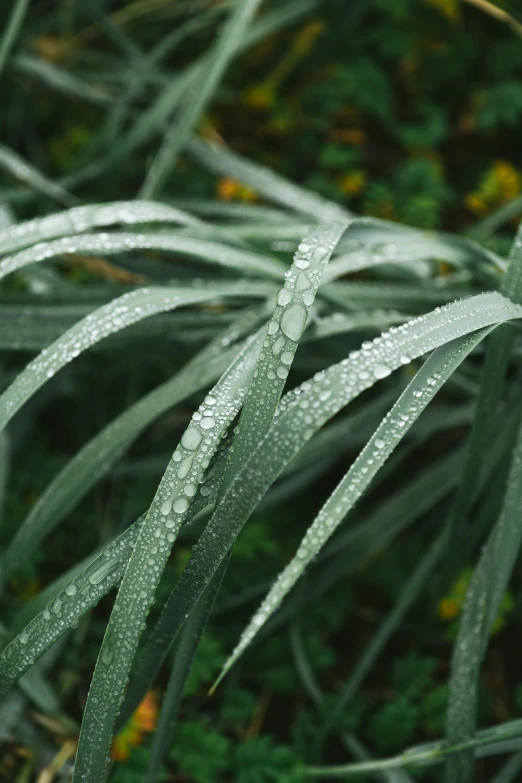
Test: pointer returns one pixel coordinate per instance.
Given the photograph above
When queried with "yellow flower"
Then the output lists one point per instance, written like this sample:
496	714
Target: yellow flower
229	189
500	184
448	609
260	96
449	8
142	721
353	183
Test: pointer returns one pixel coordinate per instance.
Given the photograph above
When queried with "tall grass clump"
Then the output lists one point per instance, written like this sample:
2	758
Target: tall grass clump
300	323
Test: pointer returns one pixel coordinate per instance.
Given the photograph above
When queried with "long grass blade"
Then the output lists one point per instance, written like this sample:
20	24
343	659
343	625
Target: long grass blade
200	94
25	172
301	413
13	27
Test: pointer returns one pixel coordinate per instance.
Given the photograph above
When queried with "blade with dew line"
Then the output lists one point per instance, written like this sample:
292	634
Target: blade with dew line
200	94
124	311
123	242
98	456
12	29
25	172
486	590
80	219
415	398
301	413
180	484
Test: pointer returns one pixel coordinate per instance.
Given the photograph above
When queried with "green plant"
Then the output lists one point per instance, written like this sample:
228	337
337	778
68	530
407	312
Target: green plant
283	325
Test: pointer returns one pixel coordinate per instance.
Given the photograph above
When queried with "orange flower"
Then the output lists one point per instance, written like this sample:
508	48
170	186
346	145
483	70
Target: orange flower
142	721
229	189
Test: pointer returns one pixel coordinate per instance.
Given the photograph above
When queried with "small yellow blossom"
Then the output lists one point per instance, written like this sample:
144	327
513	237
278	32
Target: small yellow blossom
353	183
260	96
229	189
501	184
449	8
142	722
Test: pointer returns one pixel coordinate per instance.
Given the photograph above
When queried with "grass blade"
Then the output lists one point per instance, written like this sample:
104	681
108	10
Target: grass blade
122	242
301	413
200	94
26	173
419	393
488	585
13	27
80	219
124	311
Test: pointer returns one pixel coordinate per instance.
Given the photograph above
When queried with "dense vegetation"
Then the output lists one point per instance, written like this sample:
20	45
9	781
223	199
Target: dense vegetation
260	294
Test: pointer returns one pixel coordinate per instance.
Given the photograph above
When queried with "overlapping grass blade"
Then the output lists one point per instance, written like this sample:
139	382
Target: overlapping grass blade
124	311
98	456
185	654
169	510
124	242
26	173
80	219
202	90
302	412
12	29
419	393
180	482
488	585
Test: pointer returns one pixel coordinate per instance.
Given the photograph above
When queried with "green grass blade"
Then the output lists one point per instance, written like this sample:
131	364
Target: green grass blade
98	456
221	160
80	219
123	242
280	340
168	511
196	100
185	654
488	585
301	413
13	27
122	312
419	393
26	173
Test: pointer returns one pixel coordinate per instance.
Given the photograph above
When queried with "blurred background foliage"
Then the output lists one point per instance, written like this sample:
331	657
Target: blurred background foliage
408	110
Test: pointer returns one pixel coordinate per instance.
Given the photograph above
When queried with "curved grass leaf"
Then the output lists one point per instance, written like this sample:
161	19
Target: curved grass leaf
185	654
122	312
123	242
169	510
80	219
201	92
13	27
419	393
179	484
98	456
301	413
23	171
488	585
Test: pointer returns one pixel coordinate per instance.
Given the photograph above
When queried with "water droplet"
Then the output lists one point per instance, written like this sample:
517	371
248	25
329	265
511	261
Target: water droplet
293	321
284	297
191	438
207	423
181	505
381	371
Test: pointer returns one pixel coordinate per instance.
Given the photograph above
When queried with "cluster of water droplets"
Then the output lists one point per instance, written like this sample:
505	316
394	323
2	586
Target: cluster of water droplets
80	219
168	512
64	611
305	409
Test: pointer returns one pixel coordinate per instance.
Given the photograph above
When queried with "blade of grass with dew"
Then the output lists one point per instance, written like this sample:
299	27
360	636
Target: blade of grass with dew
72	598
486	742
169	510
80	219
496	364
179	485
419	393
4	470
123	242
124	311
221	160
183	659
301	413
25	172
488	585
12	29
98	456
200	94
509	772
